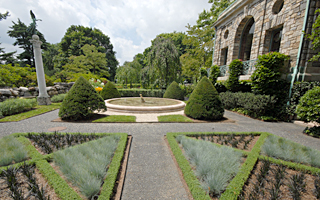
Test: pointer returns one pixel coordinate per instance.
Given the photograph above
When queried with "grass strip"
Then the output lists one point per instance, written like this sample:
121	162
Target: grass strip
114	168
174	118
193	183
235	186
117	118
60	186
38	111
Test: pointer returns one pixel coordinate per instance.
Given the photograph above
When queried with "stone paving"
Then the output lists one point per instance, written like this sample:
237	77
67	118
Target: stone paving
151	172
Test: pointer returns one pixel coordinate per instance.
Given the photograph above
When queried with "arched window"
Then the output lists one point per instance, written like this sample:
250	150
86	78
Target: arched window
246	40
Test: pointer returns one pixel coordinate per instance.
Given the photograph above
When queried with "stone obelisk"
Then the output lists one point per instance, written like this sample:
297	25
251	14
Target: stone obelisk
43	98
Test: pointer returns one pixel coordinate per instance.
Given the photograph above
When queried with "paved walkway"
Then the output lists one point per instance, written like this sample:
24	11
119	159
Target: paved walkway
151	173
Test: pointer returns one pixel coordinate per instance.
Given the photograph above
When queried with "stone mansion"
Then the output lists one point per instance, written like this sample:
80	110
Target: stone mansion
249	28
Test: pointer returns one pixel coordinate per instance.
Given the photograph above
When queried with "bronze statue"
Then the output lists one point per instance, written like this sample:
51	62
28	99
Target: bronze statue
32	27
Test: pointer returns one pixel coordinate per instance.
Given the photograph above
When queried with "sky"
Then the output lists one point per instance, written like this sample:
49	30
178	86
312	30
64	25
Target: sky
130	24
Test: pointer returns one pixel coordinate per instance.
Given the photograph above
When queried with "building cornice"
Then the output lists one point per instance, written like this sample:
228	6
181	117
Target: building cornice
229	11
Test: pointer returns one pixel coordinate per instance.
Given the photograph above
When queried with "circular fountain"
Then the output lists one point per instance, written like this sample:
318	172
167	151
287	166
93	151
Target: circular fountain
144	105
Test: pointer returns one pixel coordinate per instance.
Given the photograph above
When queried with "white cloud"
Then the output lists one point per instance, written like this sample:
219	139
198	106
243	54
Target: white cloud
130	24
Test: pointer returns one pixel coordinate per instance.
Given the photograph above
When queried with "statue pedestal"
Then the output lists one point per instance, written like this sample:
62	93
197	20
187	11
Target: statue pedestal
43	98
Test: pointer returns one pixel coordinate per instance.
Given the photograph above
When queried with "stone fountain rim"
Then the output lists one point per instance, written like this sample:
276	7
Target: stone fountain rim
143	109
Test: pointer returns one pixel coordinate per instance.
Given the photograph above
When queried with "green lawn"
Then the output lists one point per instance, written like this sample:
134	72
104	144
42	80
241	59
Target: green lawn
174	118
38	111
117	118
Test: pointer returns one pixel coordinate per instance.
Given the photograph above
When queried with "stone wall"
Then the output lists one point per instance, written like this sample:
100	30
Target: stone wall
290	18
31	92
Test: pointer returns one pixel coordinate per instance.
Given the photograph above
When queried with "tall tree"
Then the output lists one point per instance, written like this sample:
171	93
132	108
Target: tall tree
201	39
4	16
78	36
6	58
177	38
49	57
19	31
92	61
125	74
164	60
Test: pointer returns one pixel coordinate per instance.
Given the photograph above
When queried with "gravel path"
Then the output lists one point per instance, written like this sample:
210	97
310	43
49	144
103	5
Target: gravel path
151	172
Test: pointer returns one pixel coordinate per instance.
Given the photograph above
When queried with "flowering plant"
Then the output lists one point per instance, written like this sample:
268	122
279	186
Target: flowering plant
96	82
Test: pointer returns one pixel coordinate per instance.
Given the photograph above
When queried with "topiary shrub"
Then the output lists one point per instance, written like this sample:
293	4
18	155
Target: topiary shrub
235	70
110	91
81	101
204	102
309	107
174	92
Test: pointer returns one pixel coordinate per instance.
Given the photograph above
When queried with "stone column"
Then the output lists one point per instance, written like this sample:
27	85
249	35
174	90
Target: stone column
43	98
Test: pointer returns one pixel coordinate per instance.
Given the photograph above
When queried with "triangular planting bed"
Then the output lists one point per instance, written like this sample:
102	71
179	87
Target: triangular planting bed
276	180
49	182
234	140
244	184
48	143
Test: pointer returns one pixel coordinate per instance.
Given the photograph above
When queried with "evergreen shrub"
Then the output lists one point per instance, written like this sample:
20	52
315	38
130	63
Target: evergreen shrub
266	80
14	106
220	86
81	101
308	108
214	73
174	92
248	103
235	70
204	102
58	98
188	89
298	90
110	91
203	72
144	92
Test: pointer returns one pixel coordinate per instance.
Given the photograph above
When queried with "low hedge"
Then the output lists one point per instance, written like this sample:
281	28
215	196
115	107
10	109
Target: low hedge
236	185
144	92
13	106
60	186
256	106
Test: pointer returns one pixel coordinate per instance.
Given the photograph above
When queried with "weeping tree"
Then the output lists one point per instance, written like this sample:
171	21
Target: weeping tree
164	60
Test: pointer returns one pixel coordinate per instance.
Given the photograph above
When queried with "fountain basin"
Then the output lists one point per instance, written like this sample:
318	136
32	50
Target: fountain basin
152	105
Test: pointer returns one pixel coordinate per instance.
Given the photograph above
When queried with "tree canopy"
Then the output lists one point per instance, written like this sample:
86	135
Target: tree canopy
78	36
164	60
19	32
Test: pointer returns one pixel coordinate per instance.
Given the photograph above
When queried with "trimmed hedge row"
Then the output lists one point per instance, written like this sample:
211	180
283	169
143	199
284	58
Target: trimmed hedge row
144	92
60	186
236	185
256	106
13	106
